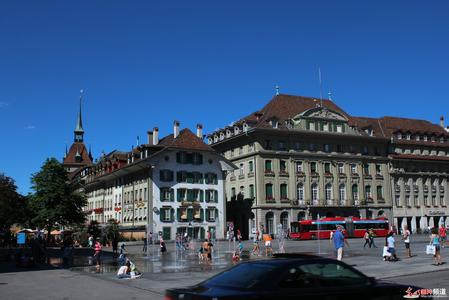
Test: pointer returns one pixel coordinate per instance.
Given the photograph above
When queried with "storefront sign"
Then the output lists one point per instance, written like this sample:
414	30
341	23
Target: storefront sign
436	213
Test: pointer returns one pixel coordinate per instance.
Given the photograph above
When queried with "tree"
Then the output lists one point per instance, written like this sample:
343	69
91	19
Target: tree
55	200
12	204
94	229
112	231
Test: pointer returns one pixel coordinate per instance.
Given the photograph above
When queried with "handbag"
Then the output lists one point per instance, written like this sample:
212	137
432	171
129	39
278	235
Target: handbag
430	249
385	252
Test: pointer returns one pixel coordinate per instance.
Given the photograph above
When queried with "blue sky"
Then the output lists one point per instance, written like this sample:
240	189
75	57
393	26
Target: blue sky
146	63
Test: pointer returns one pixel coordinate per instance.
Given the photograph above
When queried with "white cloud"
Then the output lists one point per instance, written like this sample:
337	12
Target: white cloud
29	127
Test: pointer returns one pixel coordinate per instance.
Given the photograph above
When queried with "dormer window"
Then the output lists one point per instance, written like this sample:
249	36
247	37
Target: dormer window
408	136
274	123
325	126
417	137
425	138
228	133
399	136
222	136
236	130
245	127
339	128
289	124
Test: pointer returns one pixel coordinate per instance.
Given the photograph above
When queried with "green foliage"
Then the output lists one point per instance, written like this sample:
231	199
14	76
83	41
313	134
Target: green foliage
112	230
12	204
94	229
55	199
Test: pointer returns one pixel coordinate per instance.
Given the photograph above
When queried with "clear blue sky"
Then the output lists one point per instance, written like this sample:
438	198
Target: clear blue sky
145	63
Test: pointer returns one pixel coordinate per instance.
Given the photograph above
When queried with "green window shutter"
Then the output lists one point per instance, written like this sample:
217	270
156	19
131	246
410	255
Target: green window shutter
161	214
201	195
178	157
216	214
172	194
170	175
172	214
178	215
200	159
178	195
202	215
200	178
161	194
189	195
216	196
189	214
215	179
207	196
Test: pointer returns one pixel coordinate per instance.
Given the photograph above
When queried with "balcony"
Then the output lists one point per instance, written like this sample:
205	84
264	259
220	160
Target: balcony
379	176
342	175
328	175
315	202
283	173
355	175
270	199
301	202
269	173
314	174
329	202
232	178
250	174
241	176
381	200
285	200
367	176
300	174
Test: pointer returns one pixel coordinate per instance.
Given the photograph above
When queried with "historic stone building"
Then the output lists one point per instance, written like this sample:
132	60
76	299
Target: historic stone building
419	152
300	158
169	185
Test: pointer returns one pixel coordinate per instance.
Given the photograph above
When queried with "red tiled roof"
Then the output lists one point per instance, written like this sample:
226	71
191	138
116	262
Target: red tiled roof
81	149
395	124
284	107
363	123
185	140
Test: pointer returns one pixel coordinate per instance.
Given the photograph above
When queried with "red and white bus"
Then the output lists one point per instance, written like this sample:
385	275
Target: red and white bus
321	229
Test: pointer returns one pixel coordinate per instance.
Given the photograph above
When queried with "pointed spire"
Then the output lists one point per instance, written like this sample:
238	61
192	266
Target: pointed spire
277	89
79	131
90	153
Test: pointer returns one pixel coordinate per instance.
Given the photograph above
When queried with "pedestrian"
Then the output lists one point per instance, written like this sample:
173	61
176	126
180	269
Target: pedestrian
366	237
257	235
97	251
144	249
442	233
90	241
339	242
209	235
372	235
122	248
435	241
406	237
391	246
162	245
114	246
239	235
256	248
150	238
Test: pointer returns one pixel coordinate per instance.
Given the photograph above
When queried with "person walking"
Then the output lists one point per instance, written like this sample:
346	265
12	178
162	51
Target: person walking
442	233
162	246
339	242
435	241
145	243
367	240
406	237
372	235
97	252
391	246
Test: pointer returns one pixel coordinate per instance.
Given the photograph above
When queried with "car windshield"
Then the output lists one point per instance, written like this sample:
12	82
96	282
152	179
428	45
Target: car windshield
244	276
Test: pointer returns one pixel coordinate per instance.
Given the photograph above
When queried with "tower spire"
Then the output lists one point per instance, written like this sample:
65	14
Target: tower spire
79	131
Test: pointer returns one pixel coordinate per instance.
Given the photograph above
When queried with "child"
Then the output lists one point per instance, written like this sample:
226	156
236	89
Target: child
163	247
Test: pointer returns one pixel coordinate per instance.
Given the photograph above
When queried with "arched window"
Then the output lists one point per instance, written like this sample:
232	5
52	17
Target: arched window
269	222
328	192
355	192
368	193
342	193
301	215
315	195
300	193
284	220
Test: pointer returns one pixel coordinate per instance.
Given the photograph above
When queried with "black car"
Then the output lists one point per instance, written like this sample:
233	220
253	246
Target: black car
291	277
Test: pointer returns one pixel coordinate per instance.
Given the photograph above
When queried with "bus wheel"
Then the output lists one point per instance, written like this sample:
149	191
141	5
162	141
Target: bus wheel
313	237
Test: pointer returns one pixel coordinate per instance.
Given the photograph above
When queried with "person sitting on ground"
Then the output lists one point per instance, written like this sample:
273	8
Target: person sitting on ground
124	271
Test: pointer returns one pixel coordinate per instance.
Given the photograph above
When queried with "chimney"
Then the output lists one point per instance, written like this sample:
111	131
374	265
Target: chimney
175	129
155	136
442	121
150	137
199	131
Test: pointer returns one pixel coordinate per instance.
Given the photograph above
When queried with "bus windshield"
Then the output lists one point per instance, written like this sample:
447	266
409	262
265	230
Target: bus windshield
294	227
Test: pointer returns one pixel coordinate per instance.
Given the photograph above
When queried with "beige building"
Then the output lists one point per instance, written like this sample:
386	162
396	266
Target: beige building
299	157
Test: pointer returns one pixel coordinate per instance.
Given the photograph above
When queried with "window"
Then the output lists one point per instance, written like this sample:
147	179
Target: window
341	168
282	146
415	199
327	274
233	192
327	168
267	145
251	147
166	175
241	150
379	191
311	125
211	178
283	188
397	200
251	166
251	191
312	147
166	214
365	150
241	170
313	167
268	166
283	166
328	190
339	128
166	194
325	126
355	192
299	167
300	192
342	192
368	194
366	169
340	148
327	148
353	168
210	214
314	189
212	196
407	200
378	169
269	192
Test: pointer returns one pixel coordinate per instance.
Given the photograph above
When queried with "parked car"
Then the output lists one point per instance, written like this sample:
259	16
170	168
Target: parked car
291	276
